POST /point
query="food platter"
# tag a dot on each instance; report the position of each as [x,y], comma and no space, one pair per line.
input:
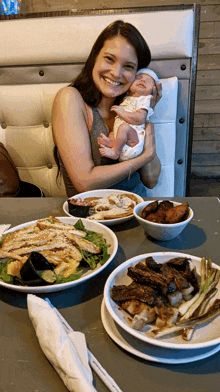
[103,193]
[204,336]
[108,235]
[148,351]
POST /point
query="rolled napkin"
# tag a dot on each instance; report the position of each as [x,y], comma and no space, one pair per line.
[67,352]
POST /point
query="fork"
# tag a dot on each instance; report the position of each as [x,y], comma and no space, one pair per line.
[97,367]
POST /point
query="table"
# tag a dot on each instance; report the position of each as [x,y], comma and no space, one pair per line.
[24,366]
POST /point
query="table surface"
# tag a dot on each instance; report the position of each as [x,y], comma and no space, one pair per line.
[24,366]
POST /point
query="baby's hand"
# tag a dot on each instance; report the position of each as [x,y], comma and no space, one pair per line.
[119,110]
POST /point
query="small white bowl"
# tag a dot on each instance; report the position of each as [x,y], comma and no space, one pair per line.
[161,231]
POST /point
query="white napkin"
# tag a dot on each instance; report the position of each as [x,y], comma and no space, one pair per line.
[67,352]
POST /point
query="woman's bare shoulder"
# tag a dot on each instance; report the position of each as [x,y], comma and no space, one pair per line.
[68,101]
[68,93]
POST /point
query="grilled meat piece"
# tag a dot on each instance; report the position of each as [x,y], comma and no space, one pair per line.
[177,214]
[157,217]
[151,264]
[151,207]
[165,205]
[156,280]
[195,279]
[172,273]
[166,270]
[161,301]
[133,291]
[180,263]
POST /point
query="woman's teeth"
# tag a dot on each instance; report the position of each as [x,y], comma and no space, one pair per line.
[111,82]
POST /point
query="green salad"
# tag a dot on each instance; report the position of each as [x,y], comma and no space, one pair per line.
[76,250]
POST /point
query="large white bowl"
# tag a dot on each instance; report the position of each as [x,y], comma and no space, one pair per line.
[204,336]
[104,193]
[108,235]
[161,231]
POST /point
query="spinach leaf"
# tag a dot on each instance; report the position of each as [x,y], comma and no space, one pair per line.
[3,272]
[75,276]
[97,239]
[3,237]
[79,225]
[94,259]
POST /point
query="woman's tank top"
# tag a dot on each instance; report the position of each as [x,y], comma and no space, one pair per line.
[98,126]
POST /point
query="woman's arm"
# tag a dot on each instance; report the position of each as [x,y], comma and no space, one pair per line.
[149,173]
[71,136]
[151,170]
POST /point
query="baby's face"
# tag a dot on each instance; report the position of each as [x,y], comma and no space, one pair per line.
[142,85]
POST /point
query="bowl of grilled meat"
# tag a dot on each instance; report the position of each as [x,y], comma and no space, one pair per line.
[163,220]
[167,299]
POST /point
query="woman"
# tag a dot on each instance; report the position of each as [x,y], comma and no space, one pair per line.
[81,112]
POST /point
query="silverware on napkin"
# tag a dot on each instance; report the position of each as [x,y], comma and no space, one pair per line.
[65,348]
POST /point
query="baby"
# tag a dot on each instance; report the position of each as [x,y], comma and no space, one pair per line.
[126,141]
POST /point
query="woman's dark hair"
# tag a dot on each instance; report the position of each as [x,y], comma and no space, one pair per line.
[84,82]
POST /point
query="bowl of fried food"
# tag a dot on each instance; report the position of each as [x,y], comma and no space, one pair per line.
[163,220]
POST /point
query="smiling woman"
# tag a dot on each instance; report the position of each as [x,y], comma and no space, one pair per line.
[82,111]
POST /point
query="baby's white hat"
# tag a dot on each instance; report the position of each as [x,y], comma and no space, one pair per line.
[149,72]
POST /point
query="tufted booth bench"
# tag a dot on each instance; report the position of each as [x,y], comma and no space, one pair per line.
[40,55]
[27,133]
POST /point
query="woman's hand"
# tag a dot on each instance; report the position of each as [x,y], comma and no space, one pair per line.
[157,95]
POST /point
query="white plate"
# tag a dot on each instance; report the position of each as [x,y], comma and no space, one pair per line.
[147,351]
[204,336]
[110,238]
[103,193]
